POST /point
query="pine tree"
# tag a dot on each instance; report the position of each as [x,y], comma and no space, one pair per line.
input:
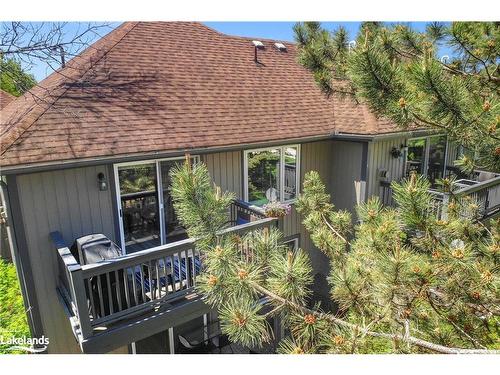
[397,72]
[403,280]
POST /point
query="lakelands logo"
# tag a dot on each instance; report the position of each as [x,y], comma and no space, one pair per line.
[27,344]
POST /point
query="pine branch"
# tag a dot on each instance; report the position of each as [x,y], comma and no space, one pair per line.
[409,339]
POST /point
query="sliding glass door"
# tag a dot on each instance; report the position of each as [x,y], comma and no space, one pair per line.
[172,228]
[146,213]
[437,155]
[415,161]
[427,156]
[139,206]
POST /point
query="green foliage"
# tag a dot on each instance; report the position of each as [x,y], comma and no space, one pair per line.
[397,272]
[290,275]
[13,320]
[314,203]
[201,207]
[415,202]
[241,321]
[396,71]
[13,79]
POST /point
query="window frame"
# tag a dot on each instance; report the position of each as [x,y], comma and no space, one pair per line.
[426,153]
[281,171]
[295,239]
[117,193]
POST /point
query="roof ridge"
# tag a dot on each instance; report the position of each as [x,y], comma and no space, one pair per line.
[9,135]
[245,37]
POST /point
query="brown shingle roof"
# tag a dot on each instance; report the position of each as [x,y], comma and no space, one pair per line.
[5,98]
[160,86]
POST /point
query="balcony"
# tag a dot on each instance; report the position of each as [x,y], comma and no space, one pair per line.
[486,194]
[118,301]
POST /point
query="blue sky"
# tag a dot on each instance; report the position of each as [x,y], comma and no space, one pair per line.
[272,30]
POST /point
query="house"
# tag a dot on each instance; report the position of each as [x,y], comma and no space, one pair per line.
[5,98]
[88,151]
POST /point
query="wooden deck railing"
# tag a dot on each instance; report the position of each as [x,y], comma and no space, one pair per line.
[241,212]
[485,194]
[104,293]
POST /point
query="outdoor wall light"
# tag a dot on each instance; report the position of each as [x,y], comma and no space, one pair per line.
[103,184]
[396,153]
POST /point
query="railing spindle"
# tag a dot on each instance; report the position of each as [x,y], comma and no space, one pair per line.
[91,295]
[141,272]
[125,284]
[101,299]
[118,291]
[158,278]
[110,296]
[134,286]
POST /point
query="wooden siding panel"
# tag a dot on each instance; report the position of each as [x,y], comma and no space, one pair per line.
[315,156]
[225,170]
[379,156]
[346,169]
[68,201]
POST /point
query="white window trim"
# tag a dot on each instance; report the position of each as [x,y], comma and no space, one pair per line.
[295,239]
[156,162]
[282,171]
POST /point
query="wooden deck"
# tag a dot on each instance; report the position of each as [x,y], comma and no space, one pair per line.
[485,194]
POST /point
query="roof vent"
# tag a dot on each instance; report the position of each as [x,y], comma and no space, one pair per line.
[258,44]
[280,46]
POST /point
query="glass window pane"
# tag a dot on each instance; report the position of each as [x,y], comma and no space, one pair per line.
[139,203]
[290,180]
[263,176]
[416,156]
[172,228]
[437,150]
[292,244]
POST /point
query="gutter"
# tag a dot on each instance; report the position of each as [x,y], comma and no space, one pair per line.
[75,163]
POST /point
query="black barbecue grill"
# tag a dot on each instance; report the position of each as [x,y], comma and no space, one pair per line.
[96,248]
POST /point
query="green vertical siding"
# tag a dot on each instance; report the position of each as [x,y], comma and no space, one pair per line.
[379,156]
[68,201]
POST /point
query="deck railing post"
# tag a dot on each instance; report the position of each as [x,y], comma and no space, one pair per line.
[80,300]
[444,207]
[486,203]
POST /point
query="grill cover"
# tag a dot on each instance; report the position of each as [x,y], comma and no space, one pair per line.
[96,248]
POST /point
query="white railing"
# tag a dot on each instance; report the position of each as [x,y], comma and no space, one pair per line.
[116,289]
[485,195]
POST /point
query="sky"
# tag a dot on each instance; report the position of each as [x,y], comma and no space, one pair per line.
[270,30]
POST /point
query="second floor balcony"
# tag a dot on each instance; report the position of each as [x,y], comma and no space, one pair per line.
[480,188]
[116,301]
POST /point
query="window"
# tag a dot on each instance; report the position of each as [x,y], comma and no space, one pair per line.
[145,209]
[427,156]
[292,242]
[272,174]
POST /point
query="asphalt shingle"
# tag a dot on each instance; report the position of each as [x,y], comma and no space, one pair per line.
[165,86]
